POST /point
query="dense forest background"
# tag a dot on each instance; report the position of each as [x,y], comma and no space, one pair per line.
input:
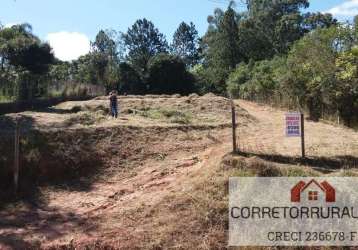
[274,52]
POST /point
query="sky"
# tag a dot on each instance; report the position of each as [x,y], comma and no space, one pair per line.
[70,25]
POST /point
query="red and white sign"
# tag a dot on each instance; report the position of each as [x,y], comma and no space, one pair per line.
[293,124]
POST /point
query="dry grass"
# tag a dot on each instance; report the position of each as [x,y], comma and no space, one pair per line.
[191,110]
[173,116]
[164,185]
[86,118]
[200,211]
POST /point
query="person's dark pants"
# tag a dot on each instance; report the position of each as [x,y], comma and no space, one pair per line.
[114,111]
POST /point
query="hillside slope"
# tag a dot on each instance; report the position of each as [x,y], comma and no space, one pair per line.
[170,193]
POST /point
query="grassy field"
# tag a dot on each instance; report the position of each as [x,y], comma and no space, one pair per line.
[156,178]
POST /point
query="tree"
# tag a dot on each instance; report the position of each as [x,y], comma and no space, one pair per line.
[312,65]
[24,53]
[143,41]
[168,75]
[84,70]
[215,20]
[21,49]
[130,81]
[237,78]
[346,90]
[104,44]
[313,21]
[104,59]
[228,37]
[271,27]
[185,44]
[222,49]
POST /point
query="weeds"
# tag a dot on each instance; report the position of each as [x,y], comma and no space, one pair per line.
[173,116]
[86,118]
[6,99]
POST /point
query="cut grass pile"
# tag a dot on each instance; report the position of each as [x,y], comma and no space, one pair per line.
[173,116]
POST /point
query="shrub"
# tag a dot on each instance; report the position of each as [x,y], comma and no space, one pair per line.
[168,75]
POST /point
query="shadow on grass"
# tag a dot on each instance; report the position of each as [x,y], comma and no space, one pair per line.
[70,161]
[62,160]
[7,124]
[325,163]
[26,221]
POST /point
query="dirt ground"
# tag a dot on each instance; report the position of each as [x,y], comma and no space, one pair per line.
[135,203]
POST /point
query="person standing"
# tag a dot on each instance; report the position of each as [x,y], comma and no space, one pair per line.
[113,102]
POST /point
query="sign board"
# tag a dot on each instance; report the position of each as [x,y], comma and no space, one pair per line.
[293,124]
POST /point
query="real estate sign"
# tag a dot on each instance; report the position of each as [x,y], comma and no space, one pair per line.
[293,124]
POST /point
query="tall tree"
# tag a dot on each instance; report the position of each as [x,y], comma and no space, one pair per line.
[104,44]
[104,58]
[271,27]
[143,41]
[221,47]
[186,43]
[21,51]
[229,39]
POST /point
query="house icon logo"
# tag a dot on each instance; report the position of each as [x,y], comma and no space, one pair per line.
[313,191]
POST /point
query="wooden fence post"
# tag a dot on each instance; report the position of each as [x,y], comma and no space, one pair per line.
[233,114]
[303,135]
[17,156]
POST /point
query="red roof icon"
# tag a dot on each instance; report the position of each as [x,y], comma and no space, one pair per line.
[298,189]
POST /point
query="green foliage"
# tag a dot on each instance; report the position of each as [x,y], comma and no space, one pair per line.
[168,75]
[203,83]
[346,91]
[273,52]
[312,64]
[129,80]
[104,60]
[23,50]
[143,41]
[237,78]
[185,44]
[221,48]
[173,116]
[319,74]
[267,29]
[256,81]
[25,61]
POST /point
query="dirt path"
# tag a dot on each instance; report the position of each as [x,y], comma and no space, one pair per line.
[118,206]
[111,205]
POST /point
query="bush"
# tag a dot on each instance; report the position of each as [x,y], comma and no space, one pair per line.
[237,78]
[129,80]
[168,75]
[256,81]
